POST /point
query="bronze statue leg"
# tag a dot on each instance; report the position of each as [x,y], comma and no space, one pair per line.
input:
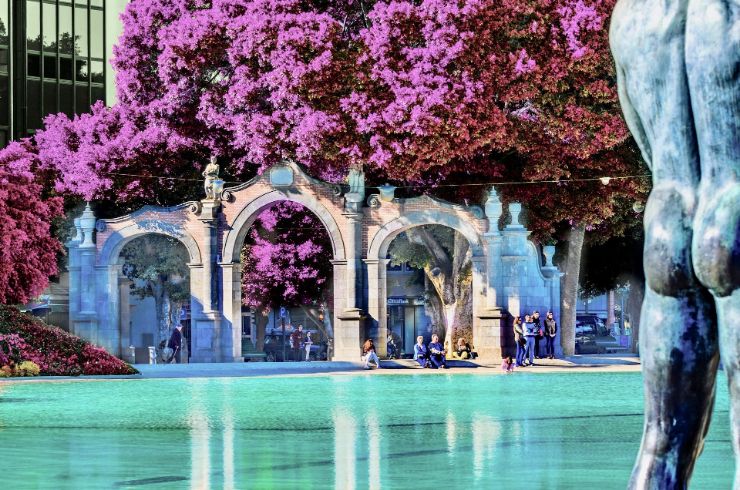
[678,341]
[713,67]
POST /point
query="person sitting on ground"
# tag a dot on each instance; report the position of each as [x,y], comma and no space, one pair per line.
[421,352]
[368,354]
[437,353]
[463,350]
[508,365]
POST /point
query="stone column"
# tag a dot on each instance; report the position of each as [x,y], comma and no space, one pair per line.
[349,329]
[124,301]
[552,283]
[514,257]
[377,303]
[206,327]
[231,323]
[86,322]
[108,308]
[73,265]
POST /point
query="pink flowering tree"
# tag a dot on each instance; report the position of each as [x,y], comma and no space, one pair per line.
[28,251]
[286,262]
[418,92]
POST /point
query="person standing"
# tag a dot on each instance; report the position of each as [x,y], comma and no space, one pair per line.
[539,336]
[551,328]
[307,344]
[175,343]
[520,341]
[530,332]
[296,338]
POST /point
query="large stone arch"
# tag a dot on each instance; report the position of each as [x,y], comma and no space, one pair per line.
[234,240]
[459,220]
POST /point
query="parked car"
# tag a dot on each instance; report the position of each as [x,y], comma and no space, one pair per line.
[586,335]
[595,321]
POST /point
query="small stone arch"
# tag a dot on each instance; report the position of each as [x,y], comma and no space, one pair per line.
[237,233]
[115,242]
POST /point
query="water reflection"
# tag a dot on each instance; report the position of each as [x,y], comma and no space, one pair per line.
[336,433]
[345,429]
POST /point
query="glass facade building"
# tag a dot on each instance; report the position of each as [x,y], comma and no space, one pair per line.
[52,59]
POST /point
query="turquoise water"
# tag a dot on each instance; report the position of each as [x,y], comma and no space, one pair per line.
[535,431]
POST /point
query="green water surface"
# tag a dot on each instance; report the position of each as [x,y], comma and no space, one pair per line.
[534,431]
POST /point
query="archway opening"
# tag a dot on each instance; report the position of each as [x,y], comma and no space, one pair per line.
[154,289]
[287,286]
[429,289]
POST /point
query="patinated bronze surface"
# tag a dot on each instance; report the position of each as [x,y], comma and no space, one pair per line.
[678,68]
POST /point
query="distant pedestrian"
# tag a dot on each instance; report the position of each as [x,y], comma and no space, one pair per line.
[437,353]
[551,329]
[421,352]
[520,340]
[307,344]
[530,333]
[540,333]
[507,365]
[368,354]
[296,339]
[175,343]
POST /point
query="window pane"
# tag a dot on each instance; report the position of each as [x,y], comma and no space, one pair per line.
[4,101]
[96,71]
[82,70]
[81,43]
[98,93]
[66,103]
[96,33]
[83,105]
[33,25]
[4,24]
[96,3]
[3,138]
[4,60]
[65,68]
[50,27]
[34,65]
[34,104]
[50,66]
[50,98]
[66,41]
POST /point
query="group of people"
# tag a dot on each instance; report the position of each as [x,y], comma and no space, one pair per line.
[432,355]
[528,335]
[298,342]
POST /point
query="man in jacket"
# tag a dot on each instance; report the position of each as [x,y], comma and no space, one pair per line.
[175,344]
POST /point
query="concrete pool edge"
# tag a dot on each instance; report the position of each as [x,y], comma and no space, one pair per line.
[573,364]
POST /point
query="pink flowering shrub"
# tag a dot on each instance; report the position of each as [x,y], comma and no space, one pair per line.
[56,352]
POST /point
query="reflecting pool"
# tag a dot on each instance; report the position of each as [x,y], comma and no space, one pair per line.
[343,431]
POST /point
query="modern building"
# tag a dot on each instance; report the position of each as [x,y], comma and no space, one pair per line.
[54,57]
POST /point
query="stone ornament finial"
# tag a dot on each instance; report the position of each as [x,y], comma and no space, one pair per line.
[494,210]
[87,225]
[515,209]
[356,194]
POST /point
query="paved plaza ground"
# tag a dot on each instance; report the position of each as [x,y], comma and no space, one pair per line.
[582,363]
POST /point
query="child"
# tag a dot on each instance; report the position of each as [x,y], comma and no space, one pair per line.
[508,365]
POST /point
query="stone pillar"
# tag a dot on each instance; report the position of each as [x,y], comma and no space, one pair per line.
[108,308]
[124,300]
[349,328]
[514,259]
[206,327]
[86,320]
[231,322]
[377,303]
[552,283]
[73,265]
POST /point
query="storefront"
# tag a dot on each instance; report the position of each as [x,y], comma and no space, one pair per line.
[407,319]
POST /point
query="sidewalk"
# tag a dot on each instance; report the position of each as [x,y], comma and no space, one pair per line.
[575,364]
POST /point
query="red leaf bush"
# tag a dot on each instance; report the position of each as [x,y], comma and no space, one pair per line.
[56,352]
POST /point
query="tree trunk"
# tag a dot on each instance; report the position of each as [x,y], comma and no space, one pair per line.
[569,295]
[261,323]
[634,307]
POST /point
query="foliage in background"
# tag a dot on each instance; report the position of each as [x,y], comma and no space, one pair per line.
[27,248]
[56,352]
[157,267]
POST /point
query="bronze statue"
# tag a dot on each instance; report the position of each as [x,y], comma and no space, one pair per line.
[678,74]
